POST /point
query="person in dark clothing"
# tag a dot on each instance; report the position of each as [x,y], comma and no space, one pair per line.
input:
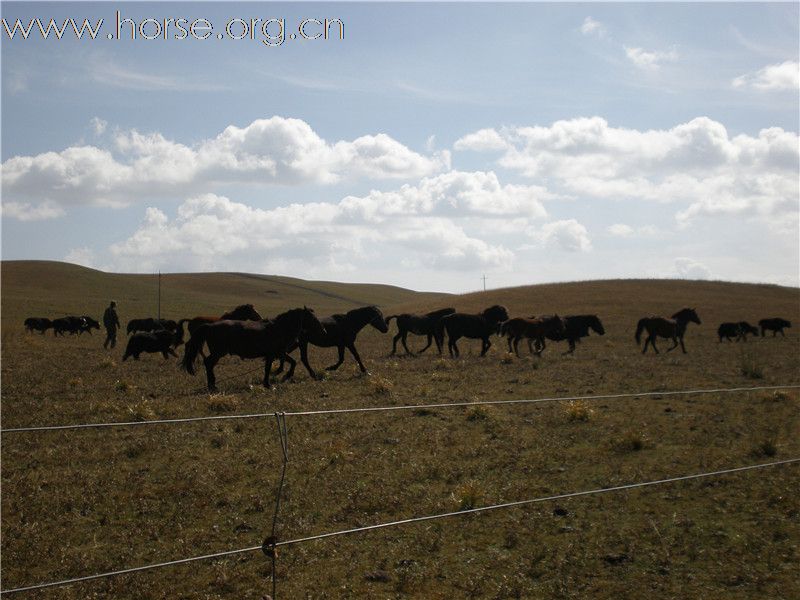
[111,323]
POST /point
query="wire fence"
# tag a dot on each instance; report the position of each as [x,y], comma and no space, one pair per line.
[401,407]
[411,520]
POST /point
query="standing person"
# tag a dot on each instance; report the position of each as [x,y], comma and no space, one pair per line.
[111,322]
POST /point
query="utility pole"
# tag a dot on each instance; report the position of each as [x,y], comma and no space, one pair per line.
[484,283]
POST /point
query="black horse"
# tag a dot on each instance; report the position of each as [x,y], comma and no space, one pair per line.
[774,325]
[151,324]
[340,331]
[575,328]
[674,327]
[480,326]
[40,324]
[418,325]
[243,312]
[534,330]
[250,339]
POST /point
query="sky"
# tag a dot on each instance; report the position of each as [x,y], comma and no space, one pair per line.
[429,146]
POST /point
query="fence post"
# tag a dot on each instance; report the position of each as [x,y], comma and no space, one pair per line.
[269,547]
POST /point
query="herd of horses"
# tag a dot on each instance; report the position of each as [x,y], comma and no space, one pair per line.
[243,332]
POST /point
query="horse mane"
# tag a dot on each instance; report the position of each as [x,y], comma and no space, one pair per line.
[441,312]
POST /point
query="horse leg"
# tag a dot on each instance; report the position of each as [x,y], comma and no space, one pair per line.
[292,363]
[209,363]
[674,344]
[354,352]
[571,346]
[304,359]
[428,345]
[682,346]
[339,363]
[267,368]
[451,345]
[516,345]
[485,345]
[394,343]
[403,339]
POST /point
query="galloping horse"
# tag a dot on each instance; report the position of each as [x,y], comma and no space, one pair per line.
[418,325]
[674,327]
[243,312]
[534,329]
[340,331]
[575,328]
[480,326]
[249,339]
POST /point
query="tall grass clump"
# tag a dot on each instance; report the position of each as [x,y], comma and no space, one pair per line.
[750,364]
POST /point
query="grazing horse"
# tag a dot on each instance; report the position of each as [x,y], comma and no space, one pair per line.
[40,324]
[774,325]
[480,326]
[674,327]
[575,328]
[418,325]
[160,340]
[243,312]
[340,331]
[249,339]
[736,330]
[534,329]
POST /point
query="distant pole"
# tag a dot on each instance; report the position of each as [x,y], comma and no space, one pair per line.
[159,294]
[484,283]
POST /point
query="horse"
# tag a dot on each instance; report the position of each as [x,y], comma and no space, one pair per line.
[418,325]
[88,324]
[40,324]
[774,325]
[674,327]
[72,324]
[243,312]
[249,339]
[575,328]
[738,330]
[338,330]
[479,326]
[534,329]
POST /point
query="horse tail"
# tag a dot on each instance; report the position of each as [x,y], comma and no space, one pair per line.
[639,329]
[192,349]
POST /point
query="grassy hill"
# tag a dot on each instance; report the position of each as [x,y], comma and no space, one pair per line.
[89,501]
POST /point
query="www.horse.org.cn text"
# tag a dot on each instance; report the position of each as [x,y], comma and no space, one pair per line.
[271,32]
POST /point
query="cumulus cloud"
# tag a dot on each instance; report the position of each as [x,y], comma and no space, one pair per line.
[623,230]
[267,151]
[98,125]
[782,76]
[440,223]
[481,140]
[23,211]
[644,59]
[567,235]
[697,164]
[687,268]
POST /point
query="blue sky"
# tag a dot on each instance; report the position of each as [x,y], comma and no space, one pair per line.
[433,144]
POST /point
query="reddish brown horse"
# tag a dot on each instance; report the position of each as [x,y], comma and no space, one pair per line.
[674,327]
[534,330]
[243,312]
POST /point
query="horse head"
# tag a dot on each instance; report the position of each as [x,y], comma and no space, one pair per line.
[596,325]
[495,314]
[378,322]
[687,315]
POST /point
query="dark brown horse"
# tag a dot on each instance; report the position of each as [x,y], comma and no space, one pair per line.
[534,330]
[479,326]
[243,312]
[674,327]
[418,325]
[736,330]
[249,339]
[775,325]
[340,331]
[575,328]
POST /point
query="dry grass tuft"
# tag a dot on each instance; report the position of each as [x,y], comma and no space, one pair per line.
[750,363]
[480,412]
[107,363]
[222,403]
[141,411]
[123,386]
[630,441]
[578,410]
[468,495]
[381,386]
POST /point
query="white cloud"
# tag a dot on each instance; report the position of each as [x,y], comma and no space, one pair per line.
[98,125]
[568,235]
[782,76]
[267,151]
[695,164]
[440,223]
[591,26]
[687,268]
[81,256]
[620,230]
[23,211]
[481,140]
[649,60]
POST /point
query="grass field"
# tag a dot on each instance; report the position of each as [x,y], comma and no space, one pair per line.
[88,501]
